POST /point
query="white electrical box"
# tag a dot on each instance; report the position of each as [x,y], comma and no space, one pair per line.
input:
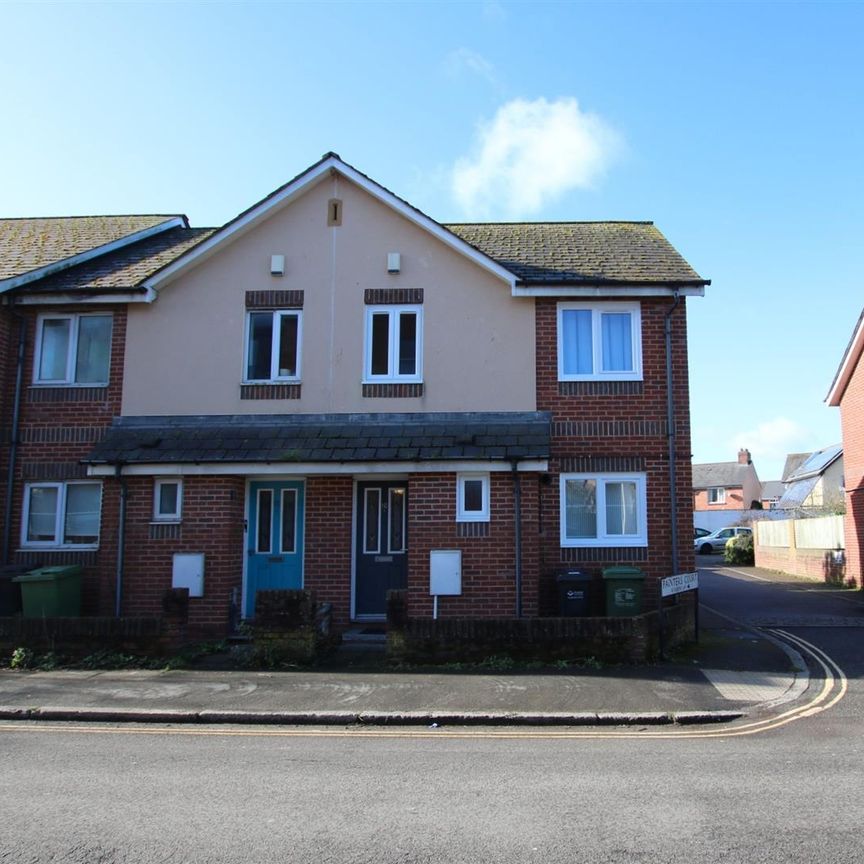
[394,262]
[277,265]
[189,572]
[445,572]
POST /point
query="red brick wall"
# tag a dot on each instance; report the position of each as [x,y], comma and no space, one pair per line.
[57,428]
[212,523]
[327,552]
[488,562]
[621,427]
[852,424]
[734,500]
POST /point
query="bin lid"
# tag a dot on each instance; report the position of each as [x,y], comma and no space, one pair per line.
[49,574]
[623,572]
[574,576]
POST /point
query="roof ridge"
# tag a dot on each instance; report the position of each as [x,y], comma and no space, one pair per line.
[560,222]
[96,216]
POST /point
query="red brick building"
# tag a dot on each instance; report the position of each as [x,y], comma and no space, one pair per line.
[847,393]
[337,392]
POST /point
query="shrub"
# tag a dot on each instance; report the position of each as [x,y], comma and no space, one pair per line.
[739,550]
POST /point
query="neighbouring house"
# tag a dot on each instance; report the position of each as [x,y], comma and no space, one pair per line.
[814,481]
[847,394]
[724,492]
[335,391]
[772,492]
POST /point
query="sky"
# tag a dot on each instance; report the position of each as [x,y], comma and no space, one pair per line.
[736,127]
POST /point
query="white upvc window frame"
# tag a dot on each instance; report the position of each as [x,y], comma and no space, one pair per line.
[62,488]
[718,493]
[482,515]
[275,377]
[392,376]
[597,311]
[603,538]
[158,515]
[74,319]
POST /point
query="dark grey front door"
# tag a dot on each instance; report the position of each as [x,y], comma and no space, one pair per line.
[382,544]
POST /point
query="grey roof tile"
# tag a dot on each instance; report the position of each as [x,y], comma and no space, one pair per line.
[321,438]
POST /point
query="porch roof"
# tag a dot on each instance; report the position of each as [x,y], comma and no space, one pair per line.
[317,438]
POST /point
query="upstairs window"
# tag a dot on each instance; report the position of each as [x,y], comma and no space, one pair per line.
[73,349]
[273,346]
[61,514]
[603,510]
[717,495]
[599,342]
[394,337]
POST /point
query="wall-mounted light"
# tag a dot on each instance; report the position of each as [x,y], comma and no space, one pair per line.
[394,262]
[277,265]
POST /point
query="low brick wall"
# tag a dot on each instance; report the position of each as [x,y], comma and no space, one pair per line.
[290,626]
[78,637]
[611,640]
[821,565]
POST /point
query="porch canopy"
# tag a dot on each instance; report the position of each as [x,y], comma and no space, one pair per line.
[323,443]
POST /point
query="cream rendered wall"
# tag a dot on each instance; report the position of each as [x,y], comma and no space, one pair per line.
[184,352]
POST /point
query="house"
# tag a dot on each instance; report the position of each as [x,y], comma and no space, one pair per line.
[847,394]
[772,491]
[335,391]
[724,492]
[814,481]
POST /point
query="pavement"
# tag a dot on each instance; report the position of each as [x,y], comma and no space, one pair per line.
[733,671]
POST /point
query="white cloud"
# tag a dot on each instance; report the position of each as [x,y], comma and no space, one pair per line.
[465,60]
[770,442]
[531,153]
[493,11]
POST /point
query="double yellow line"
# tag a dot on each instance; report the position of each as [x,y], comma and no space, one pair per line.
[834,687]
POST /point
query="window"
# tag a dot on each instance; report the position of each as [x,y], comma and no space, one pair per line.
[394,337]
[61,514]
[167,500]
[72,349]
[603,510]
[599,342]
[273,346]
[717,495]
[472,497]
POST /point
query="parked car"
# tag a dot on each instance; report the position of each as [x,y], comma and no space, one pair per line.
[717,541]
[700,532]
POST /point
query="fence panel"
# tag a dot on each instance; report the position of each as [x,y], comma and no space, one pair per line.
[770,533]
[825,532]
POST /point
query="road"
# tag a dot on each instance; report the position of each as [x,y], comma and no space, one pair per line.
[791,794]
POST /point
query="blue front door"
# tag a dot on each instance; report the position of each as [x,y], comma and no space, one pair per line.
[274,538]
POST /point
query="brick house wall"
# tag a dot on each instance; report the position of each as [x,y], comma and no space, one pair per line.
[734,500]
[57,428]
[852,426]
[488,548]
[620,426]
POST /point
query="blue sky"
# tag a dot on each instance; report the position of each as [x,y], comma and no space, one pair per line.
[736,127]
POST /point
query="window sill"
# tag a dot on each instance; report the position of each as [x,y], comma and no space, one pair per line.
[392,390]
[67,393]
[606,543]
[46,547]
[271,390]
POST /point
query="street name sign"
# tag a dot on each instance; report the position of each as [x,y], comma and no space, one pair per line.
[678,584]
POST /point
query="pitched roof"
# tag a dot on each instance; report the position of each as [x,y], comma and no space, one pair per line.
[815,463]
[28,245]
[126,268]
[773,488]
[848,364]
[725,474]
[581,252]
[293,438]
[793,461]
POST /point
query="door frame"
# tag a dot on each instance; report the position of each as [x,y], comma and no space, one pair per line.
[269,478]
[371,478]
